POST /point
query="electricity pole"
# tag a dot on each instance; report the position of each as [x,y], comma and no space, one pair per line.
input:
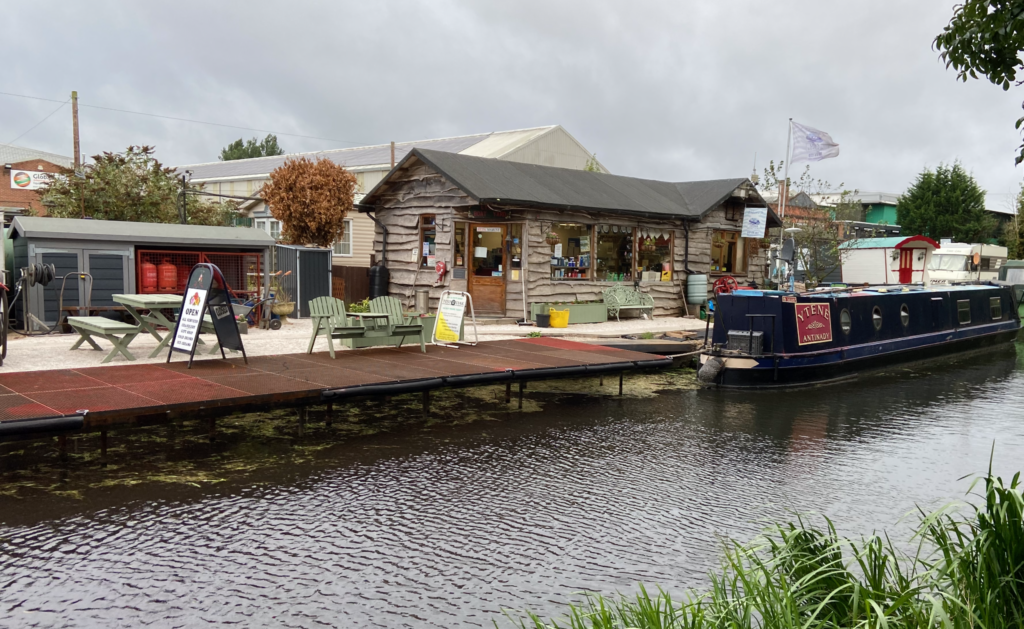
[78,156]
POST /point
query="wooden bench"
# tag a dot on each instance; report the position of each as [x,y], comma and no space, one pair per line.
[88,327]
[331,320]
[398,324]
[618,298]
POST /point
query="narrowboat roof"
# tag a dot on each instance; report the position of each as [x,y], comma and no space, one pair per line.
[856,291]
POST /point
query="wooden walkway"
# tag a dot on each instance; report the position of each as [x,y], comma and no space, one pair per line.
[116,394]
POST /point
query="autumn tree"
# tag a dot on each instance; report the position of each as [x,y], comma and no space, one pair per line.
[251,148]
[311,199]
[129,186]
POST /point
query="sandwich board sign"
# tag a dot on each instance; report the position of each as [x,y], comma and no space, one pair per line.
[206,292]
[451,310]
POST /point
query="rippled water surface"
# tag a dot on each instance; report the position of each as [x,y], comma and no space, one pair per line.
[445,526]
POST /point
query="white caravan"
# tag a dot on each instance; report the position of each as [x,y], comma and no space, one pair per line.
[961,262]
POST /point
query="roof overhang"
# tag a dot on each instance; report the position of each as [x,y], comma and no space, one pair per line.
[918,242]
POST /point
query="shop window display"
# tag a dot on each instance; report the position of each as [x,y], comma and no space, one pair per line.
[571,253]
[654,255]
[614,253]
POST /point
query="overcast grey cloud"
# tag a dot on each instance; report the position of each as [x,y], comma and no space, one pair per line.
[669,90]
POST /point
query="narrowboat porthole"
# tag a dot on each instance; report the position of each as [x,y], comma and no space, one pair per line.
[876,317]
[995,306]
[904,315]
[963,310]
[844,321]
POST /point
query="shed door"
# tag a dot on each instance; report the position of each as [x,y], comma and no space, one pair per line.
[109,271]
[314,278]
[488,268]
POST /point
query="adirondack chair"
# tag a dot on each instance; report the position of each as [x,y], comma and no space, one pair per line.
[330,320]
[398,324]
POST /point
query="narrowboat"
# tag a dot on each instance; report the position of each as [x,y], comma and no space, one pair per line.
[781,339]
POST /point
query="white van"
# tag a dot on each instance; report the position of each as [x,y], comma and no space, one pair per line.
[954,262]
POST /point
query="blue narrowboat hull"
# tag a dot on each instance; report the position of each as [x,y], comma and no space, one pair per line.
[869,331]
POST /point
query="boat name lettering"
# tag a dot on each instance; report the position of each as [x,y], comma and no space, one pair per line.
[813,323]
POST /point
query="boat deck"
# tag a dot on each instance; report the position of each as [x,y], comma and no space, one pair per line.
[118,393]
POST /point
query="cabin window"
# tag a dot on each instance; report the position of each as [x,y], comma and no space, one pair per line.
[570,251]
[460,244]
[995,306]
[876,317]
[904,315]
[726,252]
[428,237]
[844,321]
[654,255]
[614,254]
[963,311]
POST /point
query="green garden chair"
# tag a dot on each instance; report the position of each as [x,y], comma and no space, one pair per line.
[398,324]
[331,320]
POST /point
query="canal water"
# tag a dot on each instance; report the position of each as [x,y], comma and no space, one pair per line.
[445,525]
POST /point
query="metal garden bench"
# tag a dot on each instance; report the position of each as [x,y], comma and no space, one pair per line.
[88,327]
[618,298]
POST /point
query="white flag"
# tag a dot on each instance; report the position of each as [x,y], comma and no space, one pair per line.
[811,145]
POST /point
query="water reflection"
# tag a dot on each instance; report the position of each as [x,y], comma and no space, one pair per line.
[446,526]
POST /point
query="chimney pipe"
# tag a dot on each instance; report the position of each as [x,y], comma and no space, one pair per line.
[392,154]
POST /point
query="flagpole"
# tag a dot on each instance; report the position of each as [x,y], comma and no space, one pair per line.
[783,198]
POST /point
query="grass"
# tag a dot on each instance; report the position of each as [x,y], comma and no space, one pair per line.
[535,334]
[967,573]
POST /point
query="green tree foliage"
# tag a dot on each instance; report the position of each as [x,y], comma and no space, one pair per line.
[129,186]
[311,199]
[985,37]
[592,165]
[251,148]
[1012,235]
[945,203]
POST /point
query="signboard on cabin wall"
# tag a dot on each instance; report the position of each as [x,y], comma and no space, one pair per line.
[755,221]
[813,323]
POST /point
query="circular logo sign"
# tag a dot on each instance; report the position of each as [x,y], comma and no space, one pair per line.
[22,180]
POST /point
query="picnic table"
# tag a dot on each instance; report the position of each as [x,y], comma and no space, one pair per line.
[153,317]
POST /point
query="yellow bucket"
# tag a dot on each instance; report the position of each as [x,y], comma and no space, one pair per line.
[559,318]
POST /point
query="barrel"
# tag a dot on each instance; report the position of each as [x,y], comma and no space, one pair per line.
[422,300]
[378,281]
[696,289]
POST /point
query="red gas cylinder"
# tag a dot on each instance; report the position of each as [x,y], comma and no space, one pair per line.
[183,272]
[168,277]
[148,280]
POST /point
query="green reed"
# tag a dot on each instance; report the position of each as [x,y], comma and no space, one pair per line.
[967,573]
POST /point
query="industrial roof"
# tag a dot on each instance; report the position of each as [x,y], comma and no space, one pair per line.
[139,233]
[10,154]
[511,183]
[493,144]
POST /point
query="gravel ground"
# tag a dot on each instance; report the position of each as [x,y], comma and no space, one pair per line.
[53,351]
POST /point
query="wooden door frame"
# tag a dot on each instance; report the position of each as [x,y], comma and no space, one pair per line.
[471,271]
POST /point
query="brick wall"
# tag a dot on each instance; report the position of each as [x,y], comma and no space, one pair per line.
[14,197]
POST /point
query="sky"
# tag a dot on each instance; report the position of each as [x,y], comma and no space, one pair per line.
[676,90]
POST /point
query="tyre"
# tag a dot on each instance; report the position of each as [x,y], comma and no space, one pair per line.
[275,324]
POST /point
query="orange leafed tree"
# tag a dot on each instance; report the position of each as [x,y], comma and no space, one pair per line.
[311,199]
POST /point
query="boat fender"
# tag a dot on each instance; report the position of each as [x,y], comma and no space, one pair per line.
[709,371]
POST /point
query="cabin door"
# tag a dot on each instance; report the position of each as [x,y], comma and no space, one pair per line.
[488,268]
[906,266]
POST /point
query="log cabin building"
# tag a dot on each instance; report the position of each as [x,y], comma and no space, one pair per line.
[559,234]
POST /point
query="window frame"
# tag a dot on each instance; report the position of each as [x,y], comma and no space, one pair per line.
[464,228]
[876,318]
[596,233]
[424,228]
[904,315]
[346,234]
[845,321]
[960,303]
[671,255]
[272,224]
[587,231]
[995,308]
[737,253]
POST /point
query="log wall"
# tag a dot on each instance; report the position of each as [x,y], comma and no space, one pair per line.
[418,191]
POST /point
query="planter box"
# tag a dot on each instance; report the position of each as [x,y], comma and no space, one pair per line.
[578,313]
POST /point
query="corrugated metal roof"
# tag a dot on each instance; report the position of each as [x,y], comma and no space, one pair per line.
[513,183]
[874,243]
[494,144]
[139,233]
[10,154]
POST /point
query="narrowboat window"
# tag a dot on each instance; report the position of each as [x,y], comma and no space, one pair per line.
[876,317]
[570,251]
[460,245]
[995,306]
[904,315]
[844,321]
[614,253]
[963,310]
[428,236]
[654,255]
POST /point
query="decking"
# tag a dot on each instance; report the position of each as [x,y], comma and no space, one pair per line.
[97,397]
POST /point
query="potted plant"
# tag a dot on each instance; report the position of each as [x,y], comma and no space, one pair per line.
[552,238]
[283,304]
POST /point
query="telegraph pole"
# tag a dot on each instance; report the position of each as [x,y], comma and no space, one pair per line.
[78,152]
